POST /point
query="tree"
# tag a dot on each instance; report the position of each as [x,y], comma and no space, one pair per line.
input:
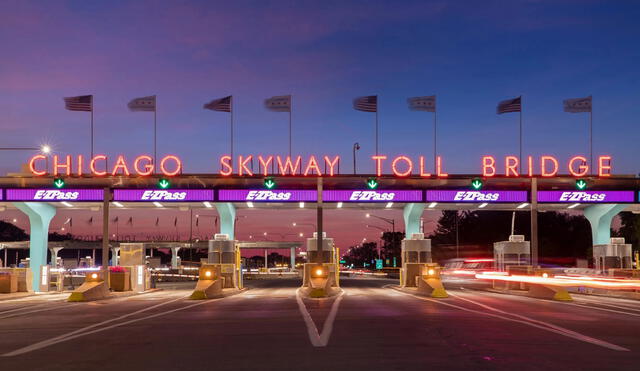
[392,245]
[361,254]
[9,232]
[629,228]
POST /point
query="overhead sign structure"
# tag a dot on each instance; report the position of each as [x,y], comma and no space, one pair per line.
[262,195]
[164,195]
[586,196]
[475,196]
[54,195]
[372,196]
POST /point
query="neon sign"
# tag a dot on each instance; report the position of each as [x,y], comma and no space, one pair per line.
[475,196]
[165,195]
[262,195]
[372,196]
[586,196]
[52,195]
[272,165]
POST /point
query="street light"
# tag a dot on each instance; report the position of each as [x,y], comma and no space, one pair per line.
[356,147]
[388,220]
[295,224]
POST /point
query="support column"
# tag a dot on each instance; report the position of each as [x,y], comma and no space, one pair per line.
[174,257]
[534,222]
[54,255]
[293,258]
[227,213]
[412,214]
[266,266]
[115,259]
[40,215]
[600,217]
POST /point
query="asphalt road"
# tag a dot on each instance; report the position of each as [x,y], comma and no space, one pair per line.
[371,326]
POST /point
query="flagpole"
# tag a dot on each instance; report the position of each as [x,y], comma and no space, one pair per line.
[376,125]
[231,111]
[92,127]
[591,137]
[435,143]
[520,161]
[155,133]
[290,109]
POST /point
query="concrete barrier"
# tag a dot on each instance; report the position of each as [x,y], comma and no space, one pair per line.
[94,287]
[210,283]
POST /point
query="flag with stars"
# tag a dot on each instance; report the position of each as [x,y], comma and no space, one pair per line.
[577,105]
[427,104]
[366,104]
[144,104]
[280,103]
[221,104]
[509,105]
[79,103]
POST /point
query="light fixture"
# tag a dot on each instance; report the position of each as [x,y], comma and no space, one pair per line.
[573,206]
[118,204]
[389,204]
[65,203]
[523,205]
[432,205]
[207,273]
[302,205]
[45,149]
[15,220]
[94,275]
[367,215]
[482,205]
[339,205]
[301,234]
[157,204]
[294,224]
[207,204]
[249,204]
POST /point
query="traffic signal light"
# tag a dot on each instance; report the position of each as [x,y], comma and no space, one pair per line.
[269,183]
[164,184]
[372,183]
[476,184]
[581,184]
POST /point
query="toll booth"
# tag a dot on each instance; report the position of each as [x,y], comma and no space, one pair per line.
[133,258]
[225,256]
[321,270]
[415,254]
[515,251]
[616,254]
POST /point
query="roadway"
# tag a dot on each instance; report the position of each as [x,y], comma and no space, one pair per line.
[371,326]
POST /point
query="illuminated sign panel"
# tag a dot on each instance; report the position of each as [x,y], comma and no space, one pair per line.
[55,195]
[372,196]
[263,195]
[1,194]
[476,196]
[164,195]
[586,196]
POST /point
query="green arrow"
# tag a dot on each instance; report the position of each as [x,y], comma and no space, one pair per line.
[476,184]
[371,183]
[163,183]
[269,183]
[59,183]
[581,184]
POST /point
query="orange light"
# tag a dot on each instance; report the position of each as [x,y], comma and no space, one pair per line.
[207,274]
[583,169]
[242,165]
[94,276]
[121,165]
[66,165]
[378,159]
[32,165]
[312,165]
[604,166]
[431,272]
[148,167]
[173,158]
[288,165]
[225,162]
[331,164]
[439,171]
[319,272]
[511,164]
[92,165]
[394,166]
[543,166]
[422,172]
[488,166]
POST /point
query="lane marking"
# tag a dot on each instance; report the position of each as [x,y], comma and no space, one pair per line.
[532,323]
[36,311]
[319,339]
[83,331]
[605,309]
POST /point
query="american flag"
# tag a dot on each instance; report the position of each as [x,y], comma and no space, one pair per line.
[510,105]
[366,104]
[221,104]
[80,103]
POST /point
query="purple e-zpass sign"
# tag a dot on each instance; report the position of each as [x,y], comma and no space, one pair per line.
[55,195]
[164,195]
[476,196]
[372,196]
[1,194]
[586,196]
[263,195]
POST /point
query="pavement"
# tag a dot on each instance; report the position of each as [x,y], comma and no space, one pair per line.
[269,327]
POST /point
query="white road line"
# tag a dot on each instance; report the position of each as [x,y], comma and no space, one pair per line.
[605,309]
[322,339]
[532,323]
[36,311]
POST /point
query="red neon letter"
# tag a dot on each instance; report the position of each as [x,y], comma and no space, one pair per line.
[422,173]
[121,164]
[530,160]
[148,168]
[439,171]
[604,169]
[394,166]
[80,163]
[331,164]
[265,164]
[225,162]
[178,165]
[242,165]
[378,159]
[92,165]
[32,165]
[543,166]
[312,166]
[488,166]
[583,168]
[288,165]
[511,165]
[66,165]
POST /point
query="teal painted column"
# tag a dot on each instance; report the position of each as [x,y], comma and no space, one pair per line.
[600,217]
[412,214]
[40,215]
[227,213]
